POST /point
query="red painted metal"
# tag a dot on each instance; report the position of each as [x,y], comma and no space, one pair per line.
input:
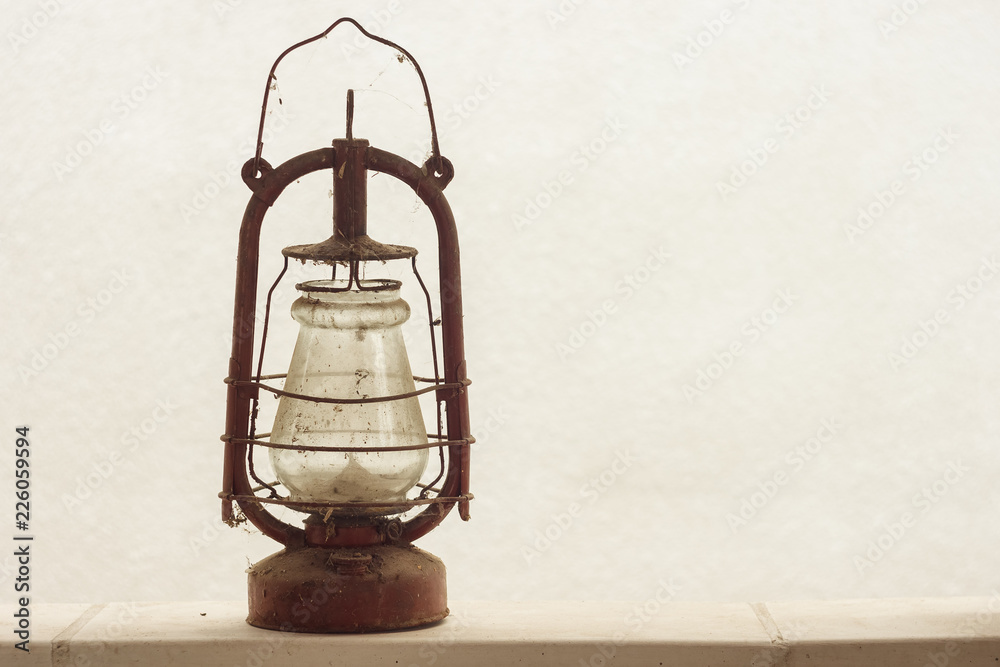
[350,241]
[369,589]
[352,567]
[267,187]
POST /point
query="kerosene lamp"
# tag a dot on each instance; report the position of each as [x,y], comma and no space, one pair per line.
[349,444]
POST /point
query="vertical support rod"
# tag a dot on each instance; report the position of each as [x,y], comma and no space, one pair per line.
[350,188]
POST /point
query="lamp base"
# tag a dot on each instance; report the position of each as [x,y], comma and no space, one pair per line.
[361,589]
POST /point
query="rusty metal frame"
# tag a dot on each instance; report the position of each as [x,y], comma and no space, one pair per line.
[267,184]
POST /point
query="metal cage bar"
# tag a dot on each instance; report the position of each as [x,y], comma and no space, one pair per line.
[267,184]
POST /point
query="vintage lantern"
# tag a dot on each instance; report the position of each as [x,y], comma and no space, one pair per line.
[349,443]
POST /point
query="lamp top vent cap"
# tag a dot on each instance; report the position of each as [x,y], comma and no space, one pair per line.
[338,249]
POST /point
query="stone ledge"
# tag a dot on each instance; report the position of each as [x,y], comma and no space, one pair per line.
[880,633]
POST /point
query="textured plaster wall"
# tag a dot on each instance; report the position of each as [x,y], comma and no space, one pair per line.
[730,270]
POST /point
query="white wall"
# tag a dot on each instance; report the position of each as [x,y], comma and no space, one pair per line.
[142,204]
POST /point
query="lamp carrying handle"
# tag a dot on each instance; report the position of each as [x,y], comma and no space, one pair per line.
[435,165]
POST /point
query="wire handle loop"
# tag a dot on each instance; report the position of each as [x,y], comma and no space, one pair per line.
[437,163]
